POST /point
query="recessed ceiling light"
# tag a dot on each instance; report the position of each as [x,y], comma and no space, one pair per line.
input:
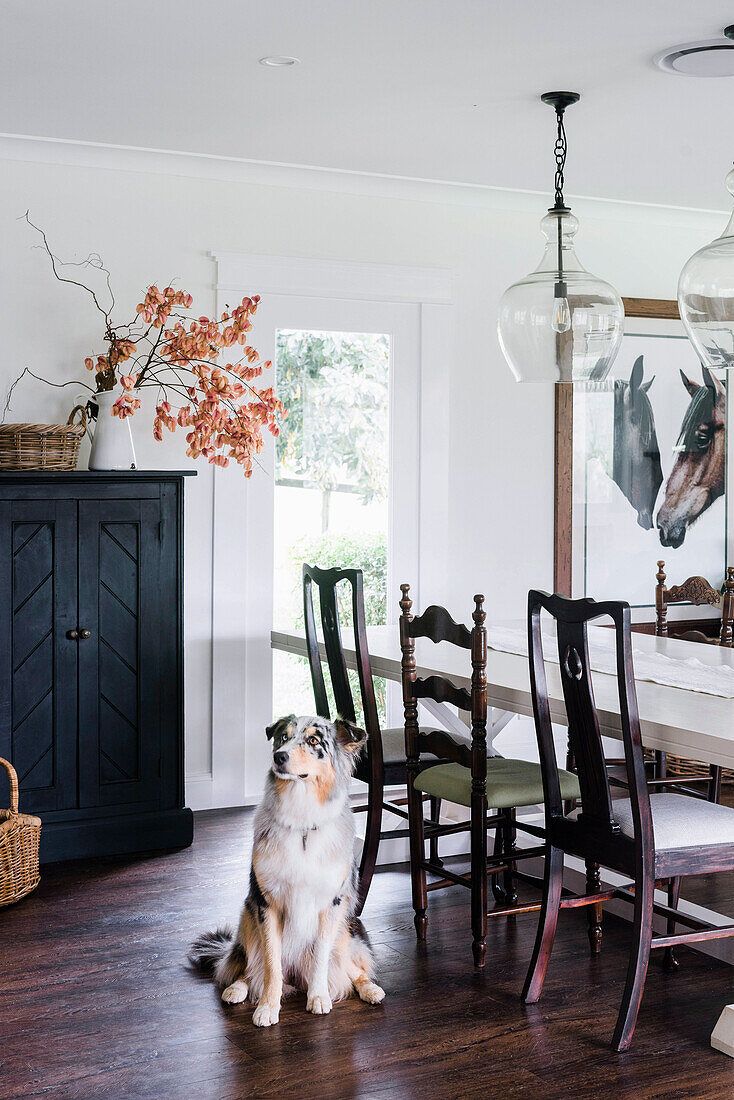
[712,57]
[280,62]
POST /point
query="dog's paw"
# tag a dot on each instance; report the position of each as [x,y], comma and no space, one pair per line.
[265,1015]
[319,1004]
[371,993]
[235,993]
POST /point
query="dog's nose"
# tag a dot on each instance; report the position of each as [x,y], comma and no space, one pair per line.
[280,757]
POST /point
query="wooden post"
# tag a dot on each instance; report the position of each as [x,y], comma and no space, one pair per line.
[563,489]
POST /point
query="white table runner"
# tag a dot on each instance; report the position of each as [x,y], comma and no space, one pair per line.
[687,673]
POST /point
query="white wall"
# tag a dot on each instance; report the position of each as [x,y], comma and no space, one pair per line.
[155,227]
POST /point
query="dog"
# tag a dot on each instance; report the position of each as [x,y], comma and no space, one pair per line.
[298,924]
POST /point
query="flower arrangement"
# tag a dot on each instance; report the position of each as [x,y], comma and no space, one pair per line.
[179,355]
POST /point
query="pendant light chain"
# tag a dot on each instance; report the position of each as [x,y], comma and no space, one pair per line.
[559,151]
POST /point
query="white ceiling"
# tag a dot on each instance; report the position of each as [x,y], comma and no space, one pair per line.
[433,89]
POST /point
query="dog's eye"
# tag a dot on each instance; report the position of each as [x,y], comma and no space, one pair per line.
[312,741]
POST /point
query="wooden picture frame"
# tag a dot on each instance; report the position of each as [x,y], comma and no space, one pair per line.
[565,551]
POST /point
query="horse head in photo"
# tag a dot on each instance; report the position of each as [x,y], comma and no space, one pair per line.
[636,465]
[698,475]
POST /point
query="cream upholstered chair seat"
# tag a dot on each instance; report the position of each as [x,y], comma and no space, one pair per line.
[681,821]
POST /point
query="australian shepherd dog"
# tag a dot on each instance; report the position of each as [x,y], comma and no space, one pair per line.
[298,926]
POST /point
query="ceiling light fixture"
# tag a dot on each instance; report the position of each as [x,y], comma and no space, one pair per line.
[713,57]
[277,62]
[706,296]
[560,323]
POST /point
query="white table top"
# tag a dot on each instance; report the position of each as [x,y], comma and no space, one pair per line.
[678,720]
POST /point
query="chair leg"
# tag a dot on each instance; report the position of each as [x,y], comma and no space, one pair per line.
[637,968]
[479,878]
[714,791]
[417,857]
[433,843]
[373,827]
[594,912]
[661,764]
[499,893]
[510,833]
[552,883]
[669,959]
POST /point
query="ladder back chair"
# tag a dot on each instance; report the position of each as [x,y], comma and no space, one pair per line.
[649,837]
[384,763]
[471,778]
[698,591]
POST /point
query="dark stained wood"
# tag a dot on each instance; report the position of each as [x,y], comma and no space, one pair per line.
[371,768]
[438,625]
[662,309]
[97,1001]
[593,834]
[442,691]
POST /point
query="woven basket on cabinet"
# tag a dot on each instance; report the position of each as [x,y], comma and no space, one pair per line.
[19,838]
[42,446]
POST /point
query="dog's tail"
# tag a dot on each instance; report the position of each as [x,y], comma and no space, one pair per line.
[210,949]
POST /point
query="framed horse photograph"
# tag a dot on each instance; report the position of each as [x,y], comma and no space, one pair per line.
[641,466]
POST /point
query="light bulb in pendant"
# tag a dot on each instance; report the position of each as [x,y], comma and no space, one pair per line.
[561,316]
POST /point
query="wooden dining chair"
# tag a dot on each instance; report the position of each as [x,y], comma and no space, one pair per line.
[384,763]
[648,837]
[698,591]
[470,779]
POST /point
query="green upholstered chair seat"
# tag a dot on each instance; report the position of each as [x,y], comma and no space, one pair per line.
[509,783]
[393,745]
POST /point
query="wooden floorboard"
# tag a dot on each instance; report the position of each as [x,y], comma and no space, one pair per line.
[96,999]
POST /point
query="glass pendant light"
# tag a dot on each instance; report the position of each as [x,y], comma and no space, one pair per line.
[706,297]
[560,323]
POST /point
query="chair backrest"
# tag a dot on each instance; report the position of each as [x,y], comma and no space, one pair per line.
[437,625]
[596,818]
[698,591]
[326,581]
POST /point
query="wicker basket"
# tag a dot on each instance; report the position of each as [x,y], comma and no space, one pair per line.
[42,446]
[19,838]
[680,768]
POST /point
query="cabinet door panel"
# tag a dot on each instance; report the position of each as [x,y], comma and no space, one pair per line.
[119,711]
[38,585]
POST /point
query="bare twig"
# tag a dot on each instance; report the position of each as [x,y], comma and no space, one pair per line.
[74,282]
[56,385]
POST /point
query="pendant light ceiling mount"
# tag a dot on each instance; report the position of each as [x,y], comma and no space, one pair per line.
[561,100]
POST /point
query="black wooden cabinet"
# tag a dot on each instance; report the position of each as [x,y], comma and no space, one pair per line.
[91,658]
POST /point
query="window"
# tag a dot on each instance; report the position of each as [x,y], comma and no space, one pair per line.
[331,483]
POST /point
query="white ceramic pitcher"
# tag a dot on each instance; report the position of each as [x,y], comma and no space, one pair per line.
[112,440]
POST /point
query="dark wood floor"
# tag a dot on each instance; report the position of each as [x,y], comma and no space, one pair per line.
[96,999]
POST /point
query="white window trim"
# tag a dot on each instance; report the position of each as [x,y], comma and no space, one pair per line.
[432,289]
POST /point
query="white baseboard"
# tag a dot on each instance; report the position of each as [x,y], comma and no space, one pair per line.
[199,792]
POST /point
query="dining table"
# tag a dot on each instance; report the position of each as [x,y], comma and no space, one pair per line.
[685,696]
[685,690]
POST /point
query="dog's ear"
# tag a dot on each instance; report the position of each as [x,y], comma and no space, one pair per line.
[280,726]
[349,735]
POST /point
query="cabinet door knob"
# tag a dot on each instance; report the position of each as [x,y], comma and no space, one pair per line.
[72,635]
[83,634]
